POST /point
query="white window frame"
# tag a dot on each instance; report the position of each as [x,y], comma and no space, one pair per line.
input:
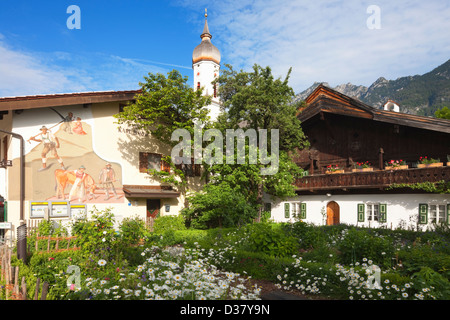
[438,217]
[370,213]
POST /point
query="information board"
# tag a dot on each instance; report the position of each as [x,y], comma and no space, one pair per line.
[38,209]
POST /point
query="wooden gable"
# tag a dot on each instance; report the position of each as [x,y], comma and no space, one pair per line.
[326,100]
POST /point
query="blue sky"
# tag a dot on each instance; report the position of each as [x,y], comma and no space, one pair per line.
[121,41]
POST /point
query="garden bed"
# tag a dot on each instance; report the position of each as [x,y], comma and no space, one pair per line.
[310,262]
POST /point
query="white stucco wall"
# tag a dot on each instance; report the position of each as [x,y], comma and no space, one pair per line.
[402,209]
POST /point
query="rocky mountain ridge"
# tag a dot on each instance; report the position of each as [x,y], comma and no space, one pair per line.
[419,94]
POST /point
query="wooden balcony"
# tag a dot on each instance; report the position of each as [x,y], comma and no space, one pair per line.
[370,180]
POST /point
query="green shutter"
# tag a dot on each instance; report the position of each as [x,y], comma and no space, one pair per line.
[286,210]
[423,213]
[361,212]
[448,213]
[302,210]
[383,212]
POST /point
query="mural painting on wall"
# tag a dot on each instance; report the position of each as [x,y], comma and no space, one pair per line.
[62,164]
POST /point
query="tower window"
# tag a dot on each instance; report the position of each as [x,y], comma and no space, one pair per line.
[215,90]
[198,85]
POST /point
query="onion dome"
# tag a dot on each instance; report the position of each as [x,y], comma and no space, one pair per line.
[206,51]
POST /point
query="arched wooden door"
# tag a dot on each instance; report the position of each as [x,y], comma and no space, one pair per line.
[332,213]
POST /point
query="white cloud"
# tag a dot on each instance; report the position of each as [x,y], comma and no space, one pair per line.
[26,73]
[329,40]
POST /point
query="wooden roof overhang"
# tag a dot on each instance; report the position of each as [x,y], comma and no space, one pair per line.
[150,192]
[65,99]
[326,100]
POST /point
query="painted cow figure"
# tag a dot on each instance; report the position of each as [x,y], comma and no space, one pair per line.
[63,178]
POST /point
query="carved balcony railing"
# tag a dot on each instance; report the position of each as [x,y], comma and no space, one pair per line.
[372,179]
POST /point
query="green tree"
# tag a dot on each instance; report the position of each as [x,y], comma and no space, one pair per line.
[165,103]
[257,100]
[443,113]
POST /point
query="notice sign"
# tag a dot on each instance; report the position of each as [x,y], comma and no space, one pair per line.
[77,211]
[38,209]
[5,225]
[59,209]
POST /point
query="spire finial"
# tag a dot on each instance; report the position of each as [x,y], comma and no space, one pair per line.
[206,29]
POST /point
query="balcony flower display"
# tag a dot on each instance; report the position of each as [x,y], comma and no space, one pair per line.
[425,162]
[395,165]
[362,166]
[334,169]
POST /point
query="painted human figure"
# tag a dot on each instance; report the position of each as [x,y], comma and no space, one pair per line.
[107,177]
[66,123]
[51,143]
[78,184]
[78,127]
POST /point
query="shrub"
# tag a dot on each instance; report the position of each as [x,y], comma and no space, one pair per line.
[308,236]
[96,237]
[263,238]
[358,244]
[218,206]
[132,230]
[165,223]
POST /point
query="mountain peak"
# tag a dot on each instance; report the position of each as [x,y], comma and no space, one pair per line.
[419,94]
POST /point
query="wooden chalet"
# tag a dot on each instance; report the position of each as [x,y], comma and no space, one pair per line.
[344,132]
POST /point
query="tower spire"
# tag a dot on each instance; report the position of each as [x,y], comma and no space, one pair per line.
[205,32]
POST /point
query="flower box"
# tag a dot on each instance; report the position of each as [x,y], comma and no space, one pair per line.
[402,167]
[336,171]
[362,170]
[430,165]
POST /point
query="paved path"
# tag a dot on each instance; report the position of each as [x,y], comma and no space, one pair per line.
[280,295]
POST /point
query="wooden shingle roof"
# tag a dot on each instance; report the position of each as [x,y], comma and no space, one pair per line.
[326,100]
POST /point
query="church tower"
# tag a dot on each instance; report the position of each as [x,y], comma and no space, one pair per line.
[206,66]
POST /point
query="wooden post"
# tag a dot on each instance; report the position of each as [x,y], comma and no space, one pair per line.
[36,292]
[16,276]
[24,289]
[48,244]
[380,159]
[44,291]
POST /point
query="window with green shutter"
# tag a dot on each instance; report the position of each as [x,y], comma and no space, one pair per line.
[302,210]
[286,210]
[423,213]
[361,212]
[448,213]
[383,212]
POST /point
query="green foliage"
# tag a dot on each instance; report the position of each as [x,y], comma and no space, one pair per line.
[218,206]
[132,230]
[168,223]
[308,236]
[426,254]
[96,236]
[430,280]
[260,101]
[166,103]
[430,187]
[264,238]
[443,113]
[357,245]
